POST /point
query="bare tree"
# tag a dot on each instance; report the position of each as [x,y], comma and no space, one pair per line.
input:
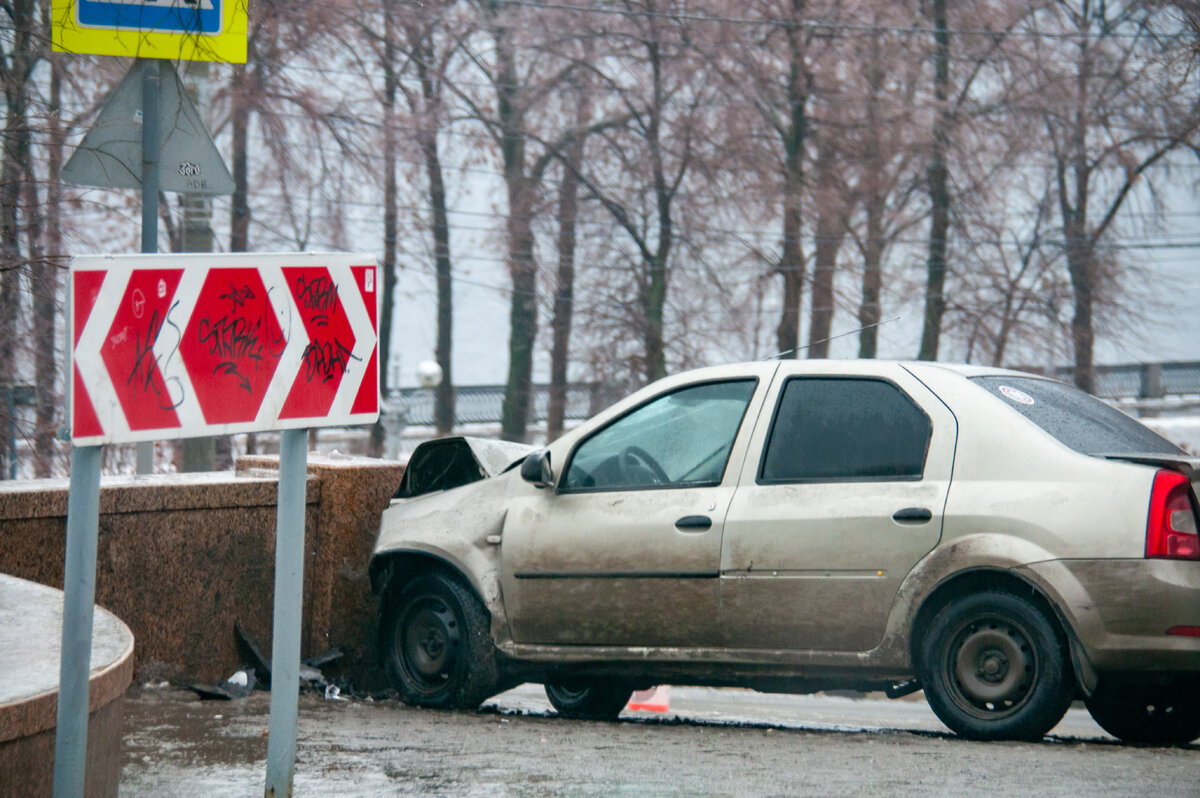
[416,42]
[515,93]
[523,69]
[939,186]
[770,70]
[429,60]
[568,216]
[20,51]
[46,285]
[833,211]
[1011,298]
[882,154]
[660,87]
[1120,97]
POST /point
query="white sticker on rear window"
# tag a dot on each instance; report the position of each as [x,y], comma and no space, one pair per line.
[1016,395]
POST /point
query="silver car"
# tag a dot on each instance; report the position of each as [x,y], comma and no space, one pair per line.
[1002,541]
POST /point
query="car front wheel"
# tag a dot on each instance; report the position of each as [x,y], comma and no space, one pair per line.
[435,645]
[994,667]
[1157,714]
[588,701]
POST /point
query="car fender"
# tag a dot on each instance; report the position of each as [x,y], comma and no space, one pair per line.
[977,552]
[461,528]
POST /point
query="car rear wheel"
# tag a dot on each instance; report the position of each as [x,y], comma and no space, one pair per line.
[435,645]
[588,701]
[994,667]
[1137,713]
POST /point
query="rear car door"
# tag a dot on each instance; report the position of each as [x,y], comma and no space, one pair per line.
[842,492]
[626,550]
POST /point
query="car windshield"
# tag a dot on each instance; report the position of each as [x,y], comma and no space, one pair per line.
[1075,418]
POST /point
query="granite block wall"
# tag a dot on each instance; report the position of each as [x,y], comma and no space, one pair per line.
[183,557]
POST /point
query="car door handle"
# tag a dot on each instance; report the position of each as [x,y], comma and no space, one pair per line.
[697,523]
[912,514]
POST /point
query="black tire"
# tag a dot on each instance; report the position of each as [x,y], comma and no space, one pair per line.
[1156,714]
[994,667]
[589,700]
[435,645]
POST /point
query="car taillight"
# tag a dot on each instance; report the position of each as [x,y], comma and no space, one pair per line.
[1171,526]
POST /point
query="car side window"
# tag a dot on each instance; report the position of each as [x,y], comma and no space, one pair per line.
[830,429]
[679,439]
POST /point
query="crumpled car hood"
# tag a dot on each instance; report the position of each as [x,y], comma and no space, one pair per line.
[450,462]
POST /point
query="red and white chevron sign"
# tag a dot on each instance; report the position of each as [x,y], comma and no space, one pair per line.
[183,346]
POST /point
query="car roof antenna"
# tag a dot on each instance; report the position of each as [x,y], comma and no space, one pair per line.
[787,352]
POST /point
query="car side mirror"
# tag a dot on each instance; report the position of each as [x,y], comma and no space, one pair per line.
[536,470]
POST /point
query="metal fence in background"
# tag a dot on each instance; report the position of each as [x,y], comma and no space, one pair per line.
[1142,380]
[480,404]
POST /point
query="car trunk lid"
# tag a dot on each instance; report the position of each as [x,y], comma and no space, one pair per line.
[1189,466]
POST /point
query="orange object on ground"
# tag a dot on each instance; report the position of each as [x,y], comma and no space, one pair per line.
[656,699]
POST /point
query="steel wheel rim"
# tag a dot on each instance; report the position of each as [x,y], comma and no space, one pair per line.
[428,644]
[990,667]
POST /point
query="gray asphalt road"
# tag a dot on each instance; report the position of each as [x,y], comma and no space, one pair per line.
[711,743]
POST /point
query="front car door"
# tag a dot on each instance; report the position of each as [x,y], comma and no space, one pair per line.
[842,492]
[625,550]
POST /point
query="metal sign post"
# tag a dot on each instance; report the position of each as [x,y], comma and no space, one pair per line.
[289,597]
[79,595]
[150,140]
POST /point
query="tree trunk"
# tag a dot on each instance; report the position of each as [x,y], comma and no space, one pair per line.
[564,288]
[655,290]
[1081,246]
[47,287]
[869,314]
[239,211]
[820,321]
[522,317]
[869,310]
[196,235]
[14,168]
[443,408]
[654,301]
[1083,334]
[791,256]
[514,413]
[377,441]
[830,232]
[939,190]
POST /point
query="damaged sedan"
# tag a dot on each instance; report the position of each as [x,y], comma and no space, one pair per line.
[1001,541]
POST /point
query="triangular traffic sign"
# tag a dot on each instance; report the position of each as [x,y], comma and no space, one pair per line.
[110,155]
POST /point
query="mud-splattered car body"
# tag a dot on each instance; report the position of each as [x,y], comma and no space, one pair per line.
[816,525]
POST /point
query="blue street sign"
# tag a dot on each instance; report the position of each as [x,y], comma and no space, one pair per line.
[174,16]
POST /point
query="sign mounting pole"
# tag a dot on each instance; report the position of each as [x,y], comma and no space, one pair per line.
[151,84]
[79,595]
[289,597]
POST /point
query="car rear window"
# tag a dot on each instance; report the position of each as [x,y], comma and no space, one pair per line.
[838,429]
[1075,418]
